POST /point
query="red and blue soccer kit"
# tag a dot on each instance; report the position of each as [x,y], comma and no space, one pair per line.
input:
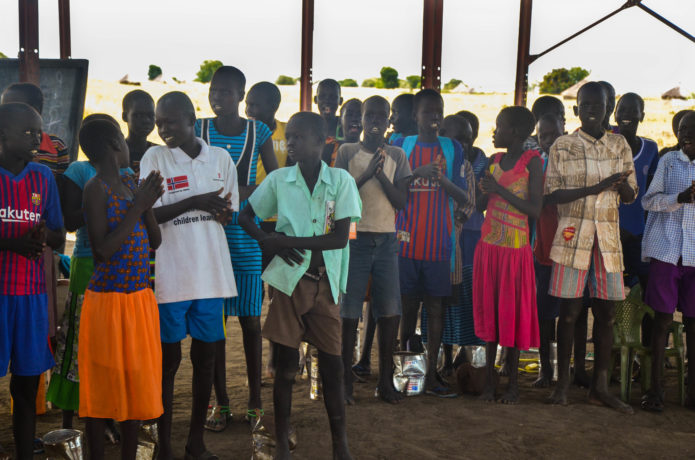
[25,200]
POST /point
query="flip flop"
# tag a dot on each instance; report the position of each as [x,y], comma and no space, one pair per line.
[361,371]
[441,392]
[652,403]
[218,418]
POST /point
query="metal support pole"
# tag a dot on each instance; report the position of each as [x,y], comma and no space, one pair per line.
[432,44]
[522,54]
[64,25]
[666,21]
[307,55]
[29,41]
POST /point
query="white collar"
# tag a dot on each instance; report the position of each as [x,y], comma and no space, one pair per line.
[182,157]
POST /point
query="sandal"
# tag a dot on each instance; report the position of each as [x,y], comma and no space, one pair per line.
[652,402]
[218,418]
[254,414]
[441,391]
[361,371]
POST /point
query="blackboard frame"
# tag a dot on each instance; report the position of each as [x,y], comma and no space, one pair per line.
[9,73]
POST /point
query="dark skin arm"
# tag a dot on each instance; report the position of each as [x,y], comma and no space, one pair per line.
[290,248]
[210,202]
[396,193]
[532,206]
[71,200]
[480,197]
[616,181]
[270,163]
[32,243]
[154,234]
[105,243]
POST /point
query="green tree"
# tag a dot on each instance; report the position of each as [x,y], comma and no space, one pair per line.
[2,55]
[558,80]
[153,72]
[414,81]
[348,83]
[285,80]
[389,77]
[451,84]
[207,69]
[370,83]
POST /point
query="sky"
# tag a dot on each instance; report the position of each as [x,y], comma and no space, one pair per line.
[355,38]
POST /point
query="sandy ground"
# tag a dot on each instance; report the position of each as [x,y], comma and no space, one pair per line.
[425,427]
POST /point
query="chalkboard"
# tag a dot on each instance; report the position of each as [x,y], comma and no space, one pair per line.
[64,84]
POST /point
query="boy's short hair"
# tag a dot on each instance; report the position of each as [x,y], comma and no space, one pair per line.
[425,94]
[405,98]
[377,100]
[179,100]
[348,102]
[328,82]
[138,94]
[270,91]
[32,94]
[231,72]
[472,119]
[458,119]
[608,88]
[100,116]
[591,86]
[547,104]
[313,121]
[94,136]
[676,121]
[550,118]
[632,96]
[10,110]
[520,118]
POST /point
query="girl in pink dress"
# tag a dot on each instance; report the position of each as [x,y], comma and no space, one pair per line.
[504,286]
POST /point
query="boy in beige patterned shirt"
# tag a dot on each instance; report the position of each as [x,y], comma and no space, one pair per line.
[589,173]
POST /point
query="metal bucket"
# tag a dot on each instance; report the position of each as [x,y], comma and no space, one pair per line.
[409,372]
[148,442]
[316,391]
[63,445]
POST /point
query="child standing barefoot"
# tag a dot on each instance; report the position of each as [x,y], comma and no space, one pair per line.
[504,289]
[119,346]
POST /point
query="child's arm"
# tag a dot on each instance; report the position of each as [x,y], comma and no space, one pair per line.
[270,163]
[104,243]
[531,206]
[25,245]
[210,202]
[656,198]
[73,214]
[482,197]
[154,234]
[246,220]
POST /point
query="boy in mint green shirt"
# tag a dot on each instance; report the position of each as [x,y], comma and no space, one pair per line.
[315,205]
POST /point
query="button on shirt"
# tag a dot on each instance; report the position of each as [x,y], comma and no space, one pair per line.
[670,231]
[193,260]
[575,161]
[304,214]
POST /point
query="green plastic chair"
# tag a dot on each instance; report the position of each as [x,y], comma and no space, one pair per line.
[627,342]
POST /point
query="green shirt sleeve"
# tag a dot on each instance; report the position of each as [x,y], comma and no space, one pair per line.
[264,199]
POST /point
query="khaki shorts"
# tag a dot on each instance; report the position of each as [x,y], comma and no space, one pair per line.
[309,315]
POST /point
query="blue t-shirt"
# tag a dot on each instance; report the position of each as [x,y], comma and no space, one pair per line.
[631,215]
[80,172]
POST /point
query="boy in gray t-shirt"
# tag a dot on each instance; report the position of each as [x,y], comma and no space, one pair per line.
[381,172]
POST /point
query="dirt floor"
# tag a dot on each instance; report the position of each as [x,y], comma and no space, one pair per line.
[425,427]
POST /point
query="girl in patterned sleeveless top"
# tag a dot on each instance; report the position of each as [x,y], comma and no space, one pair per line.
[504,286]
[119,343]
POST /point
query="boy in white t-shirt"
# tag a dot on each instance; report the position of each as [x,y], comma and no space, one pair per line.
[193,266]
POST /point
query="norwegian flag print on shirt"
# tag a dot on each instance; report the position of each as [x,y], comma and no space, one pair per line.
[177,183]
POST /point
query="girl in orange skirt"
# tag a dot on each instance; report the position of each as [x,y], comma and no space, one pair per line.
[119,352]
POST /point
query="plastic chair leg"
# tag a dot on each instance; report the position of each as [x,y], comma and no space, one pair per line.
[625,376]
[646,371]
[680,362]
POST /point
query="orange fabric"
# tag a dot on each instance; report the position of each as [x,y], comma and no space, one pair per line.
[120,356]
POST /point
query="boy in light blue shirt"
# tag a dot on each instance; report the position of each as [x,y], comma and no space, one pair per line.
[315,205]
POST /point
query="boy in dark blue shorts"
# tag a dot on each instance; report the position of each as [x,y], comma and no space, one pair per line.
[30,220]
[425,227]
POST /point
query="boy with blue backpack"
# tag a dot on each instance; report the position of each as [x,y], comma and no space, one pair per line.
[425,227]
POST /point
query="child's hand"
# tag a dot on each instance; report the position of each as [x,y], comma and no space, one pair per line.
[274,244]
[29,245]
[225,216]
[213,203]
[488,184]
[613,182]
[375,165]
[39,232]
[149,191]
[687,195]
[428,171]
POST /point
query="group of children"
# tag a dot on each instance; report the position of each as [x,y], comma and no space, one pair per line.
[329,211]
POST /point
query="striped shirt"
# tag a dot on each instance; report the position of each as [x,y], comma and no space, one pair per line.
[53,153]
[424,226]
[670,231]
[25,200]
[244,250]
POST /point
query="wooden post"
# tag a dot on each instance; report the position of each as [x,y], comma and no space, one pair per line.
[522,54]
[307,55]
[432,44]
[29,41]
[64,25]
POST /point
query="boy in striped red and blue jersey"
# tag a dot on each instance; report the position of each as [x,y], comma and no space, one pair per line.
[425,226]
[30,219]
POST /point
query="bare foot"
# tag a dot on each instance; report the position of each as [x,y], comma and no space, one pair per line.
[581,378]
[605,399]
[389,395]
[341,452]
[349,400]
[543,381]
[511,396]
[488,394]
[558,396]
[504,370]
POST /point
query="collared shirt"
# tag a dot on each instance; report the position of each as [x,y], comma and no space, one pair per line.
[193,260]
[578,160]
[303,213]
[670,231]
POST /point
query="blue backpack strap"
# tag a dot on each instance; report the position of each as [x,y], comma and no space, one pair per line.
[409,145]
[448,149]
